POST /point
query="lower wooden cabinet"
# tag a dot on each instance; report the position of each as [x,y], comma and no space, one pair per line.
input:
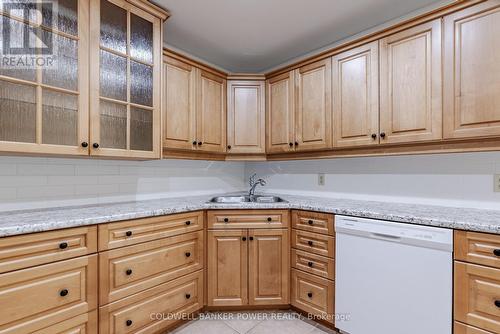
[459,328]
[313,264]
[39,297]
[155,309]
[83,324]
[313,294]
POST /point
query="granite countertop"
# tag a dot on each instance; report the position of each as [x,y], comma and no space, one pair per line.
[21,222]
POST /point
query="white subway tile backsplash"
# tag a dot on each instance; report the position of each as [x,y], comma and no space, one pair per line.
[45,169]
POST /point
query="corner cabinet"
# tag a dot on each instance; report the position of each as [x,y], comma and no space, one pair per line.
[125,77]
[194,107]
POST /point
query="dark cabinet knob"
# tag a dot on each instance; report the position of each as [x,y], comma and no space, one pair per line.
[188,223]
[188,254]
[85,144]
[228,147]
[95,145]
[129,322]
[309,294]
[63,245]
[200,143]
[310,243]
[63,292]
[128,272]
[188,295]
[310,222]
[497,303]
[382,135]
[290,144]
[226,220]
[296,143]
[244,238]
[194,142]
[269,219]
[496,252]
[128,233]
[310,264]
[374,135]
[251,238]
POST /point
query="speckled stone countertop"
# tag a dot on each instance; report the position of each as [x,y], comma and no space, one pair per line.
[21,222]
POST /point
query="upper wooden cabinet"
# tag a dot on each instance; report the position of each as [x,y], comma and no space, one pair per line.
[410,85]
[125,74]
[472,71]
[246,131]
[45,110]
[194,107]
[356,96]
[299,109]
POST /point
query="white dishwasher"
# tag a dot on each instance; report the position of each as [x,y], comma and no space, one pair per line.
[392,278]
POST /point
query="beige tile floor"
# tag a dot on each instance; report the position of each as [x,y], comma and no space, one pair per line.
[274,322]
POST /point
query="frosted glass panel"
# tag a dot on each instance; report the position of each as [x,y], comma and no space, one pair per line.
[141,84]
[16,36]
[113,27]
[66,17]
[141,39]
[64,70]
[113,125]
[17,112]
[141,129]
[59,118]
[113,81]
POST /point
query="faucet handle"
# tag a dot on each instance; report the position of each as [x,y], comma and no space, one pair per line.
[252,179]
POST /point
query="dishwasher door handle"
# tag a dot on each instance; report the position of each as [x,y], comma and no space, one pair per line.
[385,236]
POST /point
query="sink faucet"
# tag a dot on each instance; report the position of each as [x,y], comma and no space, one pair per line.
[254,184]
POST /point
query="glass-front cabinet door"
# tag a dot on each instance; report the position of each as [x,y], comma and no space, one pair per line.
[125,80]
[44,76]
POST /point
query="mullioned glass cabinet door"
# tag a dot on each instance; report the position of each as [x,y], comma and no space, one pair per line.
[125,80]
[44,76]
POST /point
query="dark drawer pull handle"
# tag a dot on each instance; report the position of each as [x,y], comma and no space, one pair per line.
[128,272]
[188,296]
[309,294]
[496,252]
[63,245]
[310,222]
[128,233]
[63,292]
[269,219]
[188,223]
[244,239]
[85,144]
[310,243]
[290,144]
[251,238]
[129,322]
[226,220]
[310,264]
[497,303]
[188,254]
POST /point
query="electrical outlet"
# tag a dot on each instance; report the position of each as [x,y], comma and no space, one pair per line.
[496,183]
[321,179]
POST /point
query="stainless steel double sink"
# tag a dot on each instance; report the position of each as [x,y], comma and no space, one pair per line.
[247,199]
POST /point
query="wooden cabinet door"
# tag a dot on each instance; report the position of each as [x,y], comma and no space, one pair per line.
[125,76]
[227,267]
[280,124]
[179,128]
[45,111]
[410,85]
[246,125]
[211,112]
[472,71]
[355,96]
[268,267]
[314,106]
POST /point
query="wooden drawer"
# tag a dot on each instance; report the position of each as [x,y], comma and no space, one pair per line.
[179,297]
[131,232]
[128,270]
[313,242]
[83,324]
[23,251]
[480,248]
[313,294]
[313,264]
[477,291]
[238,219]
[35,298]
[313,222]
[460,328]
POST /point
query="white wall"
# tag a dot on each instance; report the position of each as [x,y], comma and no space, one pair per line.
[28,183]
[446,179]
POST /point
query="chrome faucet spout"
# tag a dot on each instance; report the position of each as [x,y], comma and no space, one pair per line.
[254,184]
